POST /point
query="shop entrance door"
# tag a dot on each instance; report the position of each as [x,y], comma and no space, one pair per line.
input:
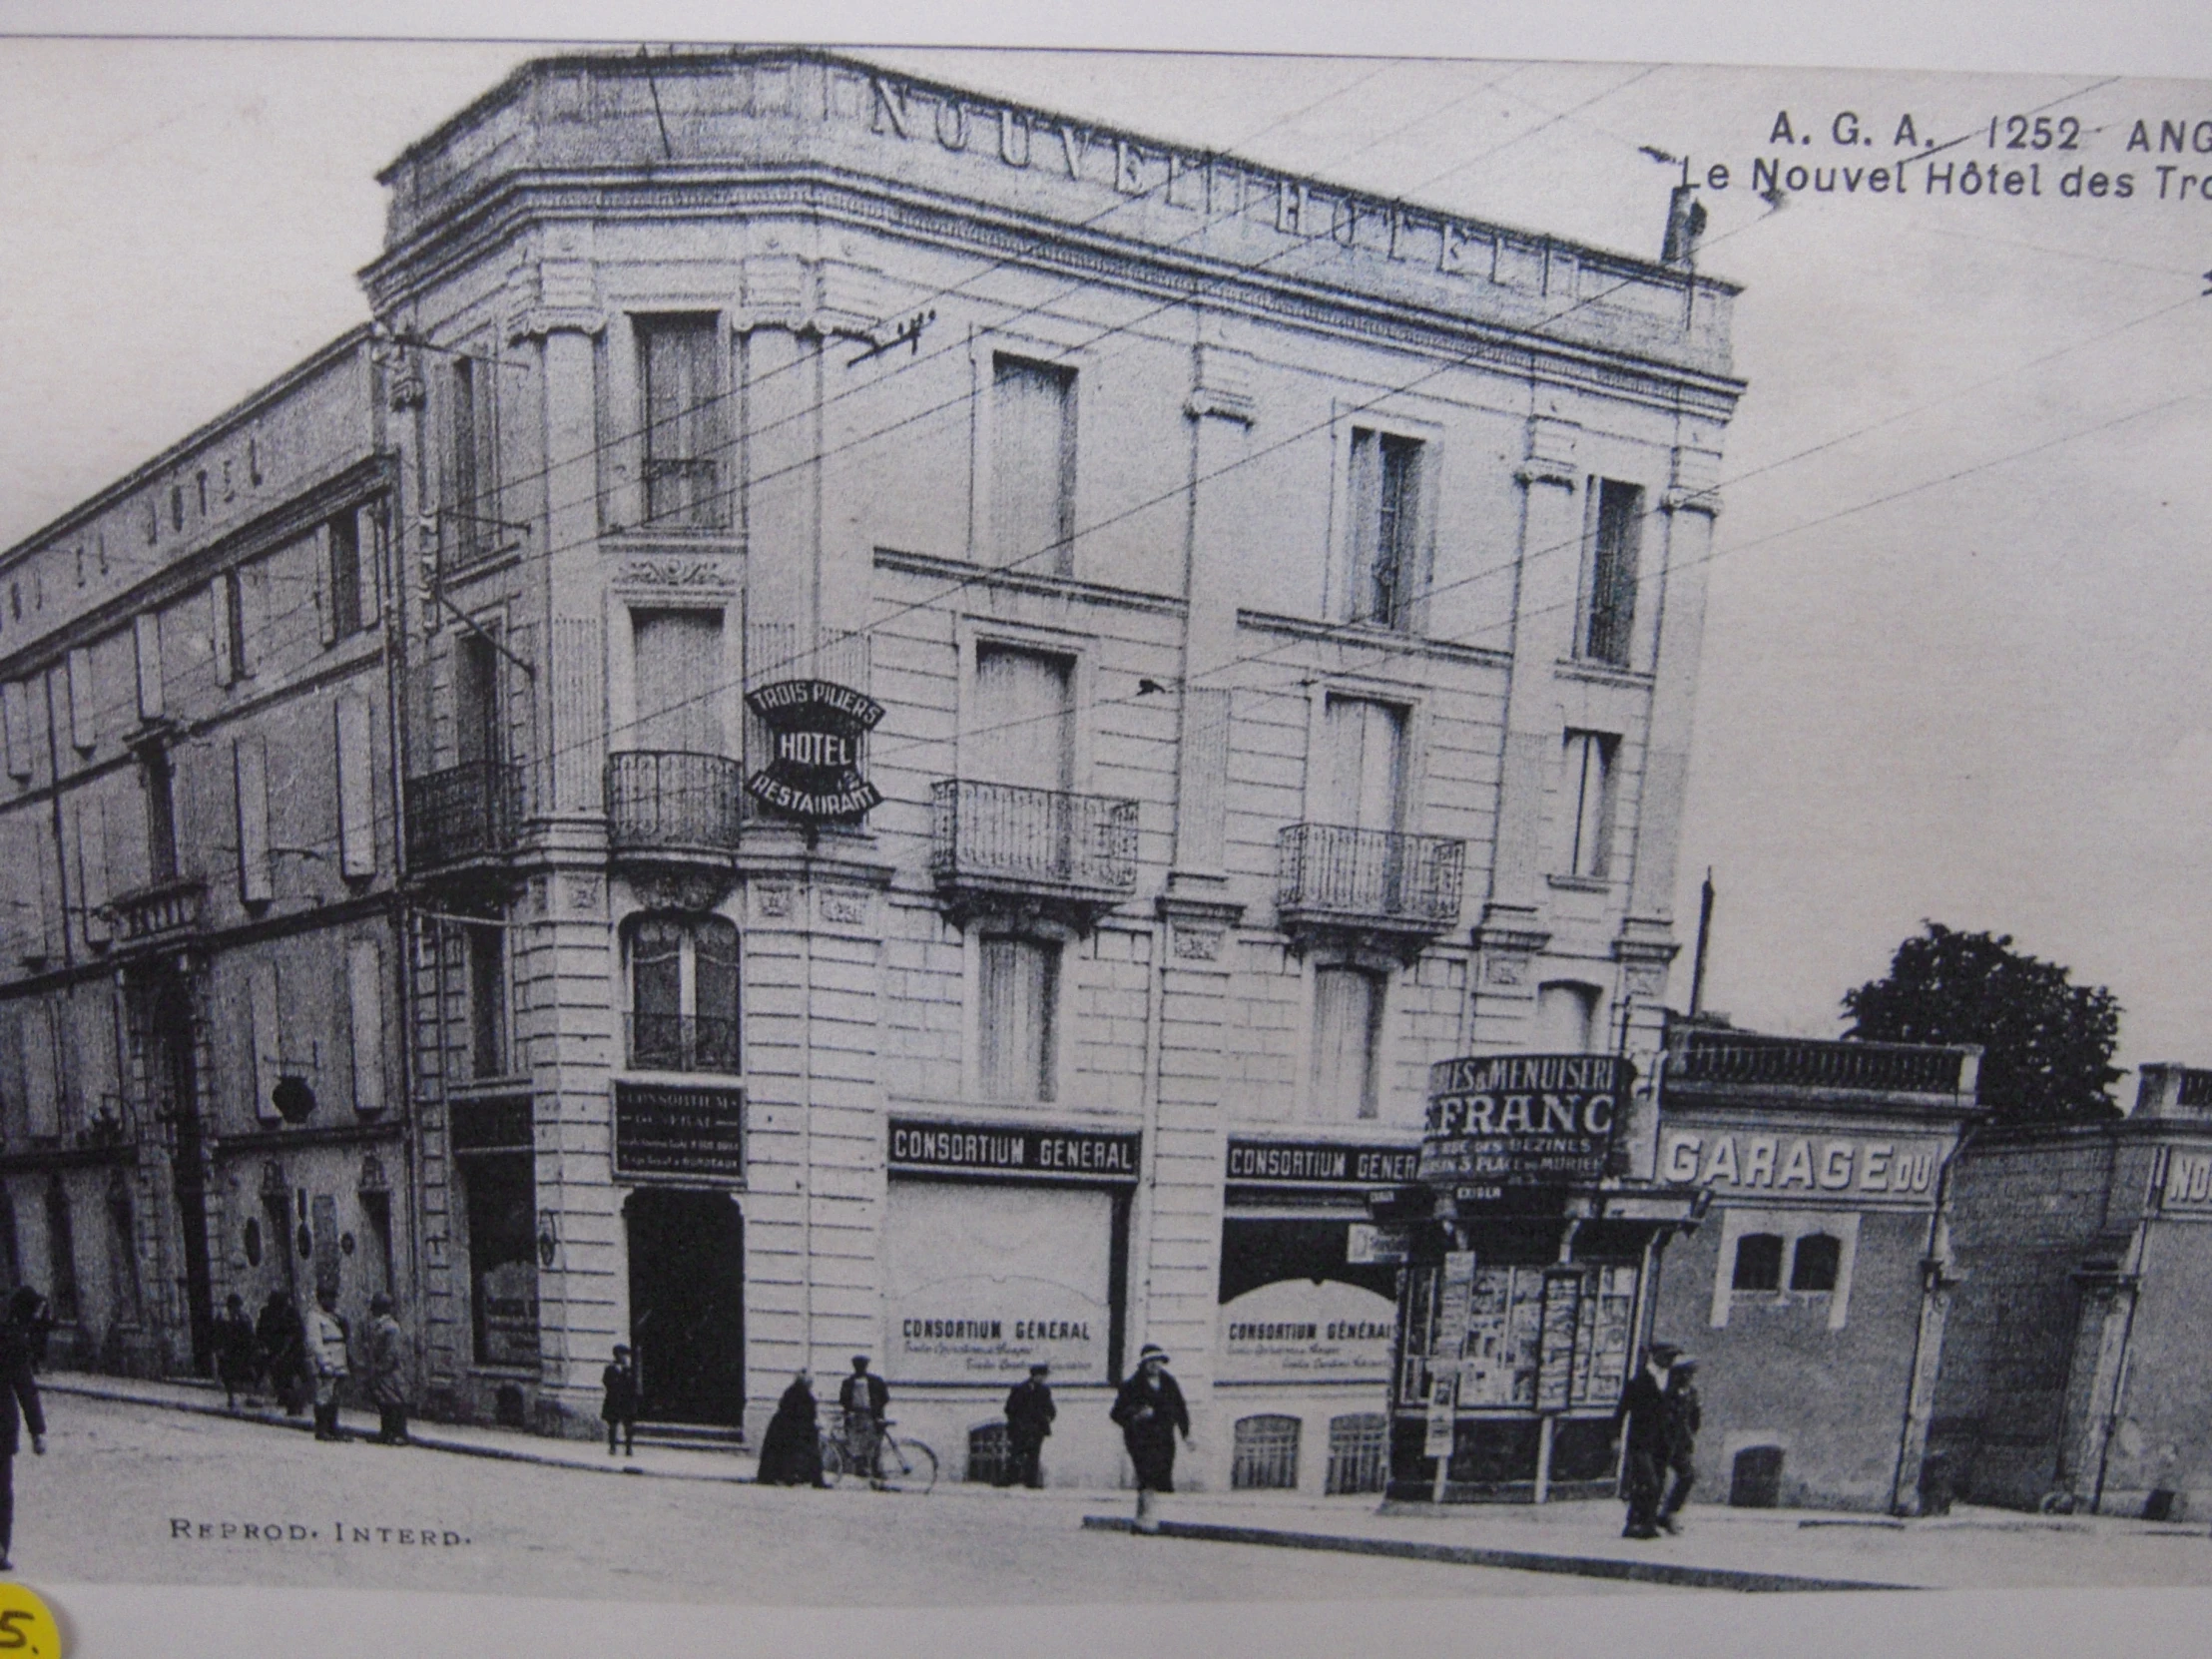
[687,1304]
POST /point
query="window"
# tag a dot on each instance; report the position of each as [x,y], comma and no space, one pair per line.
[474,465]
[683,994]
[1033,464]
[1566,1018]
[487,1000]
[679,680]
[1366,763]
[146,646]
[1386,525]
[250,769]
[227,604]
[1609,587]
[1815,1262]
[343,548]
[475,699]
[357,789]
[1758,1261]
[364,997]
[679,368]
[1019,982]
[1347,1031]
[1264,1454]
[1588,792]
[501,1210]
[159,783]
[264,1009]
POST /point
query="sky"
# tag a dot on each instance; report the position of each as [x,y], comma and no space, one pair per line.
[1954,663]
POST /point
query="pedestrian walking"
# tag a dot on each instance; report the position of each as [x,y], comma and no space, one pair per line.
[619,1409]
[863,1400]
[386,1369]
[237,1356]
[1643,1414]
[1685,1416]
[1151,1413]
[329,1342]
[1029,1414]
[790,1450]
[19,1404]
[279,1337]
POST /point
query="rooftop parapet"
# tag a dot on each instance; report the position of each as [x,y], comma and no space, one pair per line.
[1717,1060]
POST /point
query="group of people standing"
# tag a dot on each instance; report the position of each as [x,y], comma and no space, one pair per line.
[307,1359]
[1660,1412]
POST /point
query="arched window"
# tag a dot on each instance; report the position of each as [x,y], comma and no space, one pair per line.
[1816,1261]
[1758,1261]
[683,994]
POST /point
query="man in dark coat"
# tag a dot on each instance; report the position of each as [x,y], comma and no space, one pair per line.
[282,1350]
[619,1409]
[790,1450]
[1643,1412]
[386,1371]
[19,1404]
[1151,1413]
[864,1398]
[236,1357]
[1685,1416]
[1029,1414]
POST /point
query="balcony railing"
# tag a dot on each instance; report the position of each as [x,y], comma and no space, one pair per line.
[463,813]
[1007,837]
[683,1042]
[158,913]
[1328,872]
[672,800]
[1748,1058]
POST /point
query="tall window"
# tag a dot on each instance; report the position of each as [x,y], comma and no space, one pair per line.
[683,994]
[1589,801]
[475,699]
[161,813]
[1033,464]
[500,1206]
[680,368]
[487,1000]
[473,465]
[1017,1018]
[1366,762]
[1023,727]
[345,576]
[1348,1041]
[1385,526]
[1609,587]
[679,675]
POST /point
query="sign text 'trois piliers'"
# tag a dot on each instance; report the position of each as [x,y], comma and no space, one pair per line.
[815,730]
[1498,1123]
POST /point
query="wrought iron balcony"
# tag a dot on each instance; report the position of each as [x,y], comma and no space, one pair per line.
[158,914]
[672,803]
[465,815]
[1044,844]
[683,1042]
[1704,1055]
[1331,876]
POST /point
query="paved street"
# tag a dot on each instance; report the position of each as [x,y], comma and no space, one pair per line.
[122,1483]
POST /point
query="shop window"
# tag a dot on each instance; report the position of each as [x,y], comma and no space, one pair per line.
[1385,526]
[487,999]
[1033,464]
[1265,1454]
[501,1209]
[1018,982]
[1815,1262]
[680,375]
[1587,795]
[1758,1261]
[61,1253]
[1348,1041]
[1610,571]
[683,993]
[1358,1453]
[1566,1017]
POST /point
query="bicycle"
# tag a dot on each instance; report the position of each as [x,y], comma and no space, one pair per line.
[903,1465]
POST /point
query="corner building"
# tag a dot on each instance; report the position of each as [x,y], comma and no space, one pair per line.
[1246,635]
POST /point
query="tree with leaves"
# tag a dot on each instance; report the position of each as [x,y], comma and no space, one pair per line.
[2046,1043]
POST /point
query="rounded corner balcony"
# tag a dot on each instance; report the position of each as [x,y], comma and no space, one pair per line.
[997,845]
[1334,880]
[674,807]
[465,820]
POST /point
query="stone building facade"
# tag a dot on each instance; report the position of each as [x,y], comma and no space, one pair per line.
[1252,628]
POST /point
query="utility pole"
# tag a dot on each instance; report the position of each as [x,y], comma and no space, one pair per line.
[1704,935]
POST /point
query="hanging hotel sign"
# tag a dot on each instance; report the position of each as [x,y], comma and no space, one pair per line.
[815,731]
[1514,1123]
[1318,1164]
[694,1133]
[1008,1150]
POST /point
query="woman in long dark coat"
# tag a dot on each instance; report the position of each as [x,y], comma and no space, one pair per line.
[790,1450]
[19,1404]
[1151,1413]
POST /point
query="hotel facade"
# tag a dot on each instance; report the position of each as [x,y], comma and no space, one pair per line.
[959,706]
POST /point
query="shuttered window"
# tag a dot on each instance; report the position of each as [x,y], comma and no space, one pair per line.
[1348,1028]
[146,640]
[680,367]
[1023,727]
[1033,465]
[679,681]
[1366,762]
[357,789]
[249,769]
[1019,982]
[266,1036]
[364,996]
[1609,580]
[1588,800]
[1385,526]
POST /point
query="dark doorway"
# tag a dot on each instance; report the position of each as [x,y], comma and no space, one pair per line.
[1756,1478]
[687,1304]
[177,1079]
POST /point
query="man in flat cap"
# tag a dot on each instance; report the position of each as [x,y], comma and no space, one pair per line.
[1029,1414]
[1643,1412]
[1685,1416]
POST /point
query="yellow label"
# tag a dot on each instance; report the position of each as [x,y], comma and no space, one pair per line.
[27,1625]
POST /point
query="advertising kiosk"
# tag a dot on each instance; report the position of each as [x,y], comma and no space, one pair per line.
[1530,1263]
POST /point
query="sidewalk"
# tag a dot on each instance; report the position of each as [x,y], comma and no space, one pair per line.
[1720,1547]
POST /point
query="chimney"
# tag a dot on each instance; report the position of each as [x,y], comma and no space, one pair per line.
[1685,224]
